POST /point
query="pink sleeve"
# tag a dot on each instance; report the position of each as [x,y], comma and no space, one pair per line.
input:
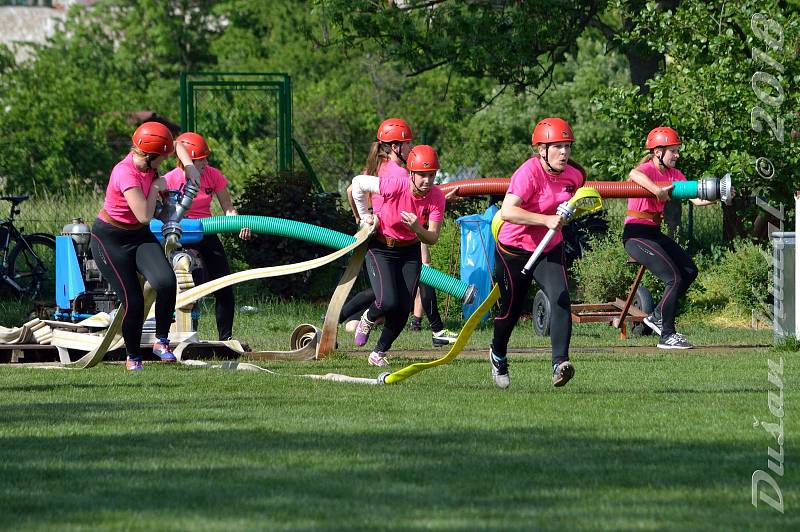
[437,207]
[218,179]
[678,175]
[124,180]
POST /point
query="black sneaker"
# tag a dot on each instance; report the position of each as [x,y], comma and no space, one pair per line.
[444,337]
[415,325]
[654,322]
[500,374]
[674,341]
[562,373]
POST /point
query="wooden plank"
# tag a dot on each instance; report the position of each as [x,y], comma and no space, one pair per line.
[595,306]
[12,347]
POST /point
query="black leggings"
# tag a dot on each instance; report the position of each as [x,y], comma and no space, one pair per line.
[215,263]
[430,306]
[394,276]
[356,305]
[667,261]
[121,255]
[549,273]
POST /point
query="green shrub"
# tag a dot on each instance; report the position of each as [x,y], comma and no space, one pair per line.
[603,273]
[446,254]
[446,257]
[741,279]
[292,197]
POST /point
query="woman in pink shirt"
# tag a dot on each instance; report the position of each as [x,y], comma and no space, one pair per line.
[411,211]
[123,245]
[212,182]
[386,159]
[644,240]
[537,188]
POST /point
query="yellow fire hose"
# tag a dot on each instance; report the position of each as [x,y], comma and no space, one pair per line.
[461,341]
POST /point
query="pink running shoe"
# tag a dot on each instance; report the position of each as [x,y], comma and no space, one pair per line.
[363,329]
[133,364]
[161,350]
[378,358]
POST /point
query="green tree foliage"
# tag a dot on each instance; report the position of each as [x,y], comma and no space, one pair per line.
[67,110]
[516,44]
[706,91]
[340,96]
[6,59]
[497,139]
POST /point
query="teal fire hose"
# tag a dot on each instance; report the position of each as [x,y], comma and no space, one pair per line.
[314,234]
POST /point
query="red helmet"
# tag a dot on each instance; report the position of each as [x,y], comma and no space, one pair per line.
[422,158]
[195,144]
[153,137]
[394,130]
[552,130]
[662,136]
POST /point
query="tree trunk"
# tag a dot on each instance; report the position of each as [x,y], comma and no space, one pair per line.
[732,225]
[643,61]
[673,212]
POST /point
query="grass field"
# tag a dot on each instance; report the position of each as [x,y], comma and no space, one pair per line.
[639,440]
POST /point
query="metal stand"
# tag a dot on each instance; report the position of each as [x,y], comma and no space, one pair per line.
[617,313]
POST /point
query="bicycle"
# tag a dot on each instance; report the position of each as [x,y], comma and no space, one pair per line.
[28,261]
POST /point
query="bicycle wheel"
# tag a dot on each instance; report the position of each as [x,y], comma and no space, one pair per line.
[32,265]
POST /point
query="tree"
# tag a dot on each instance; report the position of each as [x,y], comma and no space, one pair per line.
[515,43]
[498,138]
[64,105]
[729,74]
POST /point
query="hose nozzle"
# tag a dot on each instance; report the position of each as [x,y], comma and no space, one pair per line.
[469,295]
[190,190]
[172,212]
[712,189]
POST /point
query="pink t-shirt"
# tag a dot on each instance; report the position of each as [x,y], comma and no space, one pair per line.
[651,204]
[125,176]
[397,197]
[541,193]
[388,170]
[211,182]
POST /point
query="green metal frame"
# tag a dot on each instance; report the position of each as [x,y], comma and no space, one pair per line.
[272,81]
[269,81]
[310,169]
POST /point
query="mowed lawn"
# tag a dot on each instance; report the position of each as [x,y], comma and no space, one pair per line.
[645,441]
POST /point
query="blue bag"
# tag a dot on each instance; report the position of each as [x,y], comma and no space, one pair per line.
[477,255]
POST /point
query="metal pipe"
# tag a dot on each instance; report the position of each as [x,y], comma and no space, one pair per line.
[708,188]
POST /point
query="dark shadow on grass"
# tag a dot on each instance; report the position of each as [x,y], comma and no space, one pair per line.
[514,478]
[79,386]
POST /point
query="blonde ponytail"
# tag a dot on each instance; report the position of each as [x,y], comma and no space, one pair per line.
[646,159]
[378,154]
